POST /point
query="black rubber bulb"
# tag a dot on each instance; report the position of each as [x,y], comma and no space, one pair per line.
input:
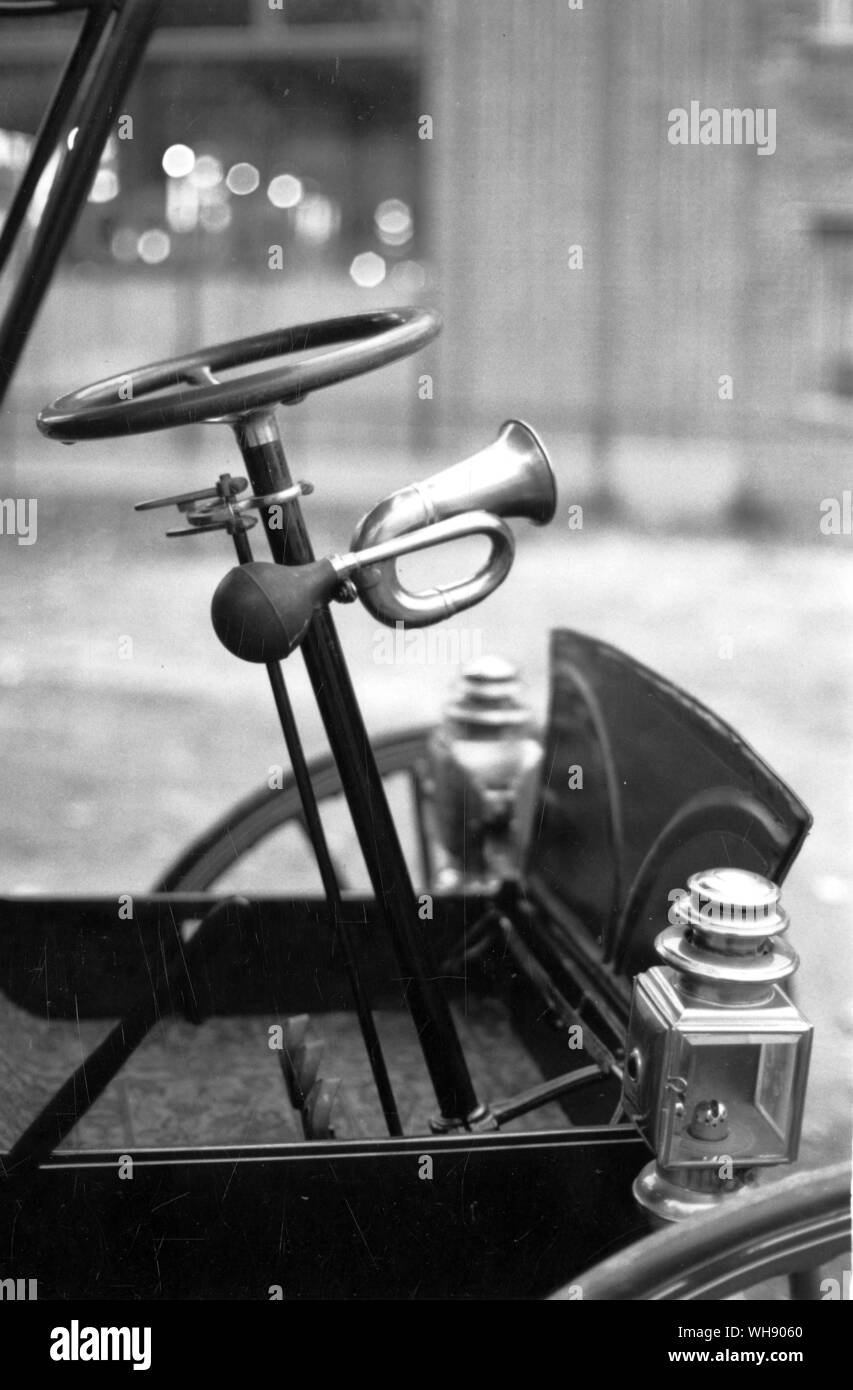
[261,611]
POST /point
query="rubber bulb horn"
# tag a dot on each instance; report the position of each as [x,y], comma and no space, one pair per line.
[262,611]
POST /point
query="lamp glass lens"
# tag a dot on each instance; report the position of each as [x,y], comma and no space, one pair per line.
[738,1101]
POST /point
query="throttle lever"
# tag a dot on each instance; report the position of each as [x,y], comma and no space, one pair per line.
[215,508]
[225,489]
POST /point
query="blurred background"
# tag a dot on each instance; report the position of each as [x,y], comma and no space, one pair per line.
[509,164]
[677,321]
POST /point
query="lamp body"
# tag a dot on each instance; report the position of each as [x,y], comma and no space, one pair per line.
[706,1083]
[717,1055]
[484,762]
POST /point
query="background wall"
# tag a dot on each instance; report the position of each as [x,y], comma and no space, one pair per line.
[549,132]
[697,261]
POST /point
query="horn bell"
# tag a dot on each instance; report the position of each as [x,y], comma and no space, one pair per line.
[512,477]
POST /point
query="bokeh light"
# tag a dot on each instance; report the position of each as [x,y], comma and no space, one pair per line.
[368,270]
[317,218]
[394,223]
[153,246]
[207,172]
[242,179]
[178,161]
[408,277]
[182,202]
[105,187]
[14,150]
[285,191]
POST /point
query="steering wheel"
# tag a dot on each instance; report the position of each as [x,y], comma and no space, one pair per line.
[184,391]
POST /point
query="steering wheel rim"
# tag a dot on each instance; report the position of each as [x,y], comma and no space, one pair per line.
[346,347]
[796,1223]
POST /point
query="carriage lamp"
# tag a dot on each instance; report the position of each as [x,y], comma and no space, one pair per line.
[717,1054]
[484,760]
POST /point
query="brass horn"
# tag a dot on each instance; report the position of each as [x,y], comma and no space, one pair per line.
[261,611]
[511,477]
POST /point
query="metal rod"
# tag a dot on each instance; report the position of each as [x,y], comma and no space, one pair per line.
[112,75]
[452,528]
[97,18]
[506,1110]
[331,888]
[261,446]
[423,806]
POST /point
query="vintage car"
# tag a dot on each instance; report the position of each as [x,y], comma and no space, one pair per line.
[586,930]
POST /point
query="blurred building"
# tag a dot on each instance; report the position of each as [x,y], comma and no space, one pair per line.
[699,263]
[678,319]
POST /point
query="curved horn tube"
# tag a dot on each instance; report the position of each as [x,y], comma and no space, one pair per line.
[511,477]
